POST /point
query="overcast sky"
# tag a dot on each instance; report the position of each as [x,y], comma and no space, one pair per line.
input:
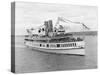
[34,14]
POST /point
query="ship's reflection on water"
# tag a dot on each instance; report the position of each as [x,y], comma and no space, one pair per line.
[30,60]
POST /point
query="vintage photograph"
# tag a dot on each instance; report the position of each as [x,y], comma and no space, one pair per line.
[53,37]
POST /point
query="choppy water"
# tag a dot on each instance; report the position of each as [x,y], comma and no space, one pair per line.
[28,60]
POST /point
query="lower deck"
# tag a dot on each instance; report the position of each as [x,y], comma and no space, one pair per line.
[77,48]
[66,45]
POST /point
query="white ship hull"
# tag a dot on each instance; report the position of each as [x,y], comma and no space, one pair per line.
[76,48]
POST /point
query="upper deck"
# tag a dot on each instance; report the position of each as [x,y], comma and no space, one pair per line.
[55,39]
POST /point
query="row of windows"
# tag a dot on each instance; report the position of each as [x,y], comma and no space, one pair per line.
[59,45]
[68,45]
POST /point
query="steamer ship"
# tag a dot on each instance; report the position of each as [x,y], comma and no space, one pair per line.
[55,39]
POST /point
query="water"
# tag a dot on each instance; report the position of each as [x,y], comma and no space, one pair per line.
[28,60]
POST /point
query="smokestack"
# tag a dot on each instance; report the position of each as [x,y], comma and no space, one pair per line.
[46,27]
[46,23]
[50,25]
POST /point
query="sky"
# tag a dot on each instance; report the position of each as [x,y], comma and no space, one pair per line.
[29,15]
